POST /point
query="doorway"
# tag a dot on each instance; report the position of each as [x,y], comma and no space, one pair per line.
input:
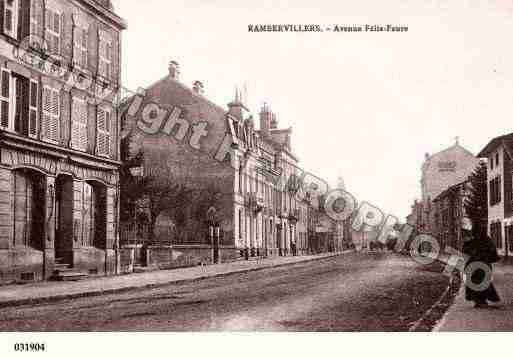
[64,220]
[95,214]
[29,208]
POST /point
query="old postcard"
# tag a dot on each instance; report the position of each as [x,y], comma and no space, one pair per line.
[175,168]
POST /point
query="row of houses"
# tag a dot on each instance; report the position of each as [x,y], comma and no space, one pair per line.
[62,164]
[249,182]
[445,186]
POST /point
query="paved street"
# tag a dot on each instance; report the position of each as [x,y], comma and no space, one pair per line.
[354,292]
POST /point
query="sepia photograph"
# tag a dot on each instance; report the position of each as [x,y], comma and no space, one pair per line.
[278,175]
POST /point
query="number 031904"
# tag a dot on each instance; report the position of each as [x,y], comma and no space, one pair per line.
[29,347]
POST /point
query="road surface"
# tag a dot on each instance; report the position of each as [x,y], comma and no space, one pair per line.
[352,292]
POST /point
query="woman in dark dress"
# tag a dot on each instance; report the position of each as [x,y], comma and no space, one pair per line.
[482,253]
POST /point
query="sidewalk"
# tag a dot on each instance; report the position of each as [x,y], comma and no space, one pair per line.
[462,316]
[45,291]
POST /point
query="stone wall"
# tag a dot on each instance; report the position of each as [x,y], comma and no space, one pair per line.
[167,257]
[15,265]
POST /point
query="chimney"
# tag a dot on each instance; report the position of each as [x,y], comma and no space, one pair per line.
[198,87]
[236,107]
[265,120]
[174,70]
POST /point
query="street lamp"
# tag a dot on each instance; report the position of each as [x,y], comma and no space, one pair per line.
[214,234]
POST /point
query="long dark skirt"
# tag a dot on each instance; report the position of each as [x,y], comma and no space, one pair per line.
[488,294]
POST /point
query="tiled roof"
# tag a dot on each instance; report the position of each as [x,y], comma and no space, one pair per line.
[506,140]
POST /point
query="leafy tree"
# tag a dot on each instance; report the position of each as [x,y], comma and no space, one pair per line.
[128,184]
[476,205]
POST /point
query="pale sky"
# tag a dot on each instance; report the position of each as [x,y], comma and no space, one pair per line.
[366,106]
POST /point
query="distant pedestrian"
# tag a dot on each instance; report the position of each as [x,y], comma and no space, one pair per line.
[482,253]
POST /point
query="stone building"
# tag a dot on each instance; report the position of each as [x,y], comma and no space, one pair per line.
[256,214]
[499,152]
[440,171]
[59,156]
[445,169]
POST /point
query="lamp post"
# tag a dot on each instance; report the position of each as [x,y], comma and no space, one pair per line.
[214,234]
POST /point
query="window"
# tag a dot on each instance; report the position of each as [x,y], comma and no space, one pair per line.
[18,104]
[5,80]
[33,108]
[491,163]
[51,114]
[105,57]
[496,234]
[11,18]
[497,159]
[53,31]
[80,41]
[79,124]
[495,188]
[103,127]
[241,169]
[33,19]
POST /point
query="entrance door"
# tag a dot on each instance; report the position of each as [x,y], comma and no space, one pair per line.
[64,220]
[29,200]
[94,215]
[100,215]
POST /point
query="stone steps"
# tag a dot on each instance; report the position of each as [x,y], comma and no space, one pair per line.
[64,272]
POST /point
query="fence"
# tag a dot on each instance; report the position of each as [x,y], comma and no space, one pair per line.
[133,234]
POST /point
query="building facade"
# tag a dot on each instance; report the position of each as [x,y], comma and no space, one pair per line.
[59,155]
[440,172]
[257,212]
[499,152]
[449,213]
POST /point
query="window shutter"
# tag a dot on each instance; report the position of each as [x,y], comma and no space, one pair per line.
[4,98]
[104,56]
[22,116]
[57,30]
[24,23]
[76,45]
[9,14]
[33,108]
[103,132]
[85,44]
[80,43]
[34,18]
[53,32]
[79,125]
[51,103]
